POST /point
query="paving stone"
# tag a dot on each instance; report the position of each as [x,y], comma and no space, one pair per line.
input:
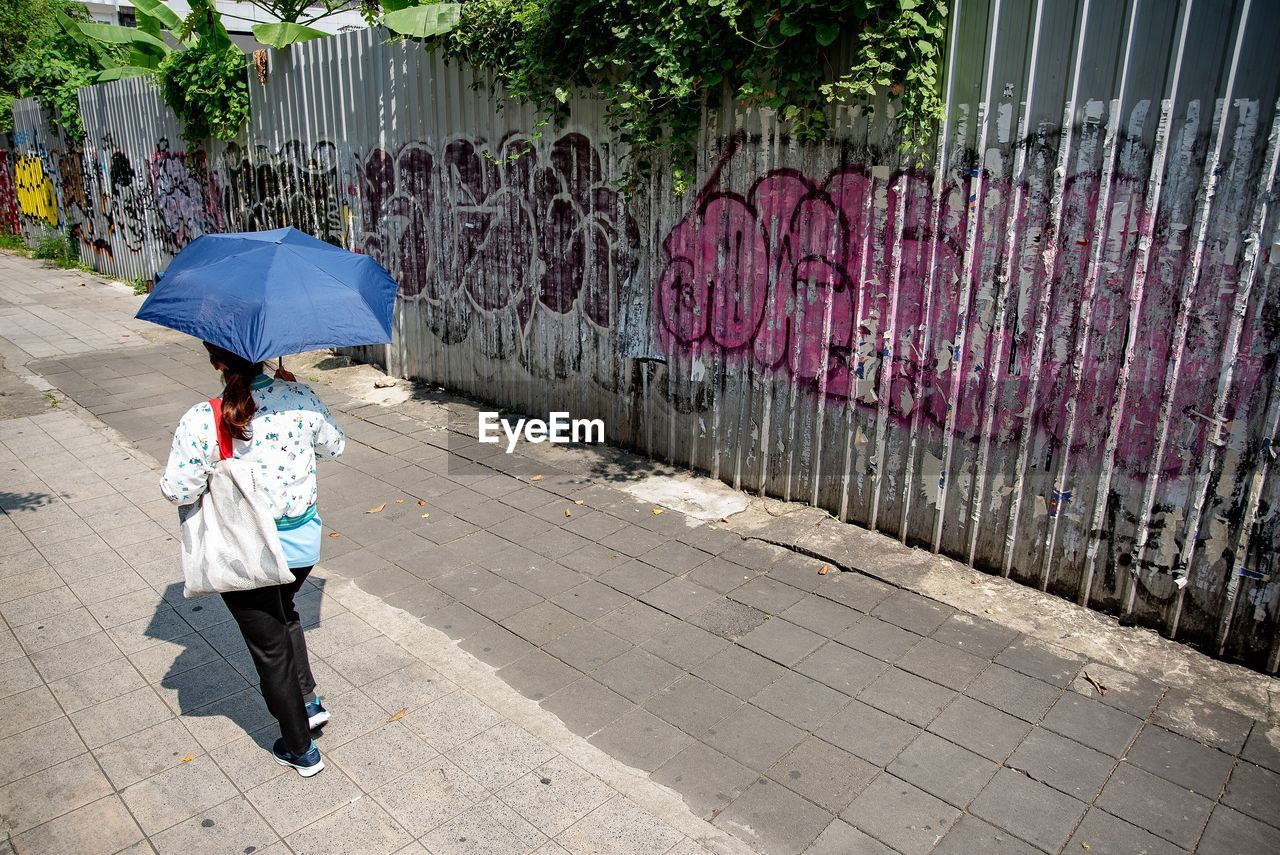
[820,615]
[728,619]
[767,595]
[98,828]
[774,819]
[753,737]
[27,709]
[496,646]
[877,638]
[381,755]
[912,612]
[641,739]
[1135,695]
[1093,724]
[200,686]
[680,597]
[826,775]
[973,635]
[618,825]
[633,541]
[802,701]
[972,835]
[1181,760]
[537,674]
[754,554]
[676,557]
[39,748]
[692,704]
[1183,712]
[591,600]
[587,647]
[363,827]
[502,600]
[634,578]
[291,802]
[707,779]
[739,671]
[942,664]
[1105,834]
[429,796]
[1014,693]
[1036,659]
[500,755]
[721,575]
[542,623]
[177,793]
[637,622]
[1262,747]
[547,579]
[1033,811]
[1062,763]
[368,660]
[555,795]
[585,706]
[72,625]
[1230,832]
[685,645]
[51,792]
[841,838]
[901,815]
[110,720]
[906,696]
[784,643]
[868,733]
[1254,791]
[145,753]
[842,668]
[1156,805]
[943,769]
[636,674]
[593,559]
[980,728]
[451,720]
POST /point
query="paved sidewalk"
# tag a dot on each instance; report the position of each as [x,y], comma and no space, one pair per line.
[794,709]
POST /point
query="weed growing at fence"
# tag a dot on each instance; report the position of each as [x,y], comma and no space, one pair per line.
[656,68]
[54,248]
[140,286]
[9,240]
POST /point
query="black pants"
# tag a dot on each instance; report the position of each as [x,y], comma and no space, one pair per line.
[271,629]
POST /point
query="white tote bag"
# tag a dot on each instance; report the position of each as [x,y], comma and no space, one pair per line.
[229,538]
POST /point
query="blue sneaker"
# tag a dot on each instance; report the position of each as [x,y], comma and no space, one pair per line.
[317,715]
[307,764]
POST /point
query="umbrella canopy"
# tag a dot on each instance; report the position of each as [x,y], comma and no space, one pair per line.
[266,294]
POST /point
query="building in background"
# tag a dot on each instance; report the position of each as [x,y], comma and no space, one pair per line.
[238,17]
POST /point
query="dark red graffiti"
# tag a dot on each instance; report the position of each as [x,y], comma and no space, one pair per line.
[798,276]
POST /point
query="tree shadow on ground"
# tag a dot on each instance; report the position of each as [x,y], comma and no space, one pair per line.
[18,502]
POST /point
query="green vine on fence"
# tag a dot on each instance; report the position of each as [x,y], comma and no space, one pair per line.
[656,63]
[207,87]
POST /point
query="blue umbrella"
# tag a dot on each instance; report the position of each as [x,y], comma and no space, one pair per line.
[265,294]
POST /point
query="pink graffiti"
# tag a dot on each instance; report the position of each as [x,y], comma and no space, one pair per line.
[9,220]
[797,276]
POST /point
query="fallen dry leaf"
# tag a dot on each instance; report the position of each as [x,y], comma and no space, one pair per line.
[657,511]
[422,503]
[990,611]
[334,534]
[824,569]
[399,501]
[398,714]
[577,501]
[568,513]
[1093,681]
[376,510]
[188,758]
[426,516]
[536,478]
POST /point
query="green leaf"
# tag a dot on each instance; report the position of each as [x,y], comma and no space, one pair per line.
[120,72]
[282,34]
[433,19]
[826,33]
[789,26]
[168,18]
[111,34]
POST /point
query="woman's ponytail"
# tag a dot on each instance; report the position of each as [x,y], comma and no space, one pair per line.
[238,374]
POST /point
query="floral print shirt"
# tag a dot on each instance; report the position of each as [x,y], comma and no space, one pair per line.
[288,432]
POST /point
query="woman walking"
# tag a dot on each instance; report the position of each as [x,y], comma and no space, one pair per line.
[281,426]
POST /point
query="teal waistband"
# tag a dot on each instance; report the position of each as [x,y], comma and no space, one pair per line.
[290,523]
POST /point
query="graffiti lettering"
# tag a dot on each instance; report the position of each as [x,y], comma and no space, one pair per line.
[37,199]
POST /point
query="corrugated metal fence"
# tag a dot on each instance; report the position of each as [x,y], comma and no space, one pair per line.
[1051,354]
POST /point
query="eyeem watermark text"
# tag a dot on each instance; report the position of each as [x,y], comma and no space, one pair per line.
[558,429]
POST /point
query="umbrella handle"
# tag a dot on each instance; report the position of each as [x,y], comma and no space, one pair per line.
[284,374]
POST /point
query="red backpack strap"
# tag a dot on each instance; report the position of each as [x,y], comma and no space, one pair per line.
[225,450]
